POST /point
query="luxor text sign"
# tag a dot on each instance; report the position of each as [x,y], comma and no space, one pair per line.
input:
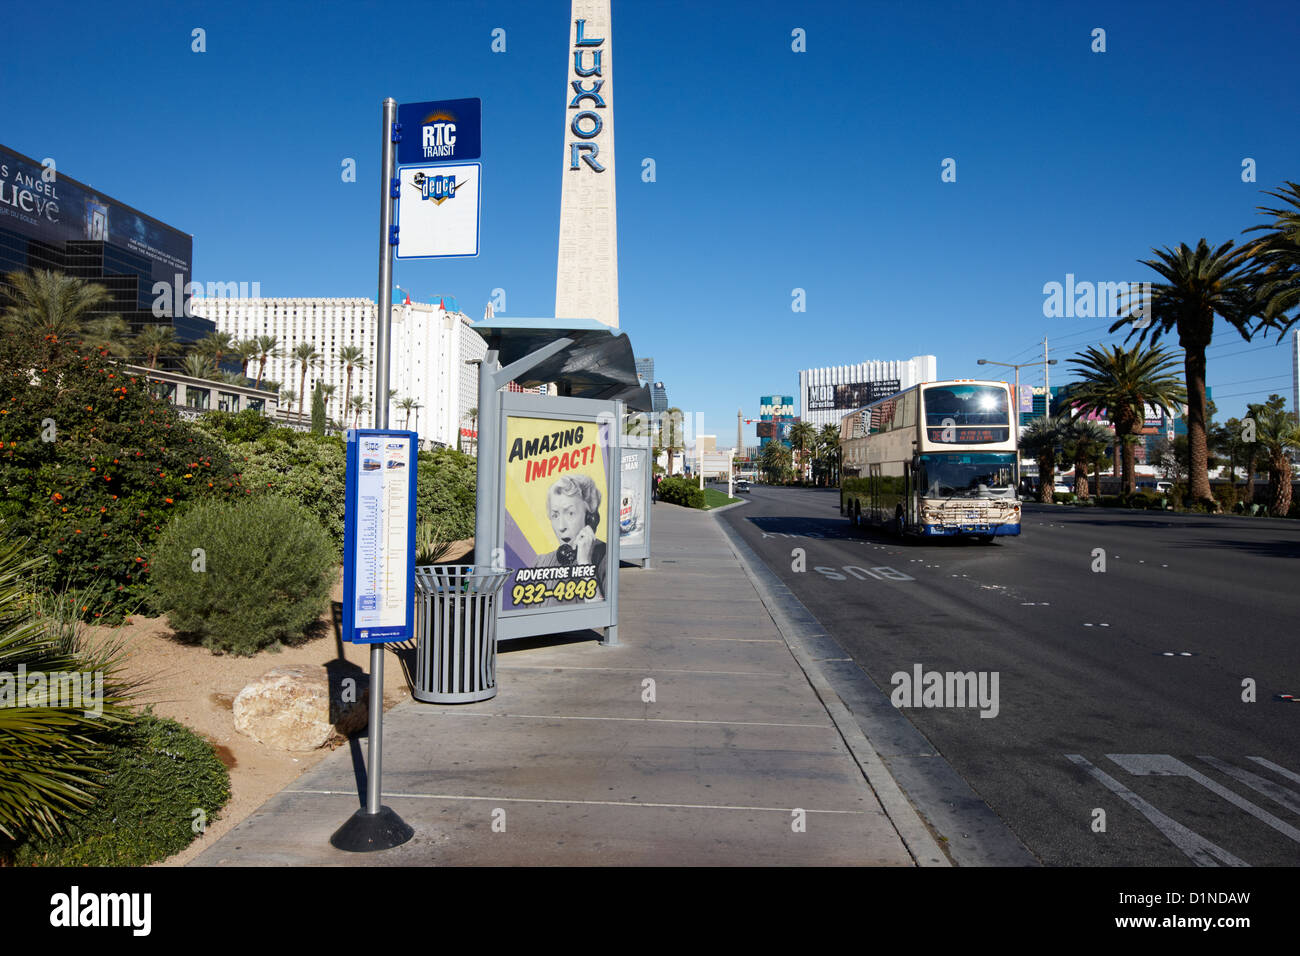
[440,131]
[379,536]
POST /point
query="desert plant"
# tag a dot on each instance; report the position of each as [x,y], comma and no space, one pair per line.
[243,576]
[154,773]
[58,693]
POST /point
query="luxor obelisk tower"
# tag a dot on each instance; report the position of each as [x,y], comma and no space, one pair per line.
[586,285]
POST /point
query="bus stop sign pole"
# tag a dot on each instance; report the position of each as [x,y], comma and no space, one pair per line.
[374,826]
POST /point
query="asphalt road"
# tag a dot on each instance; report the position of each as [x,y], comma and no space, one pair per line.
[1119,691]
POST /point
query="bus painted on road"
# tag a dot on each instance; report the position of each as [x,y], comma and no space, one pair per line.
[935,460]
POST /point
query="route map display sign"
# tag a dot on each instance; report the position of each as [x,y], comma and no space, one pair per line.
[557,513]
[379,537]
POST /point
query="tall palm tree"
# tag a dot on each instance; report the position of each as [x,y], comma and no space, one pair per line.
[802,436]
[285,398]
[828,444]
[406,404]
[306,356]
[1117,383]
[155,341]
[358,404]
[1040,440]
[247,350]
[1277,257]
[1200,284]
[1277,433]
[1085,440]
[50,303]
[268,346]
[351,357]
[215,345]
[197,365]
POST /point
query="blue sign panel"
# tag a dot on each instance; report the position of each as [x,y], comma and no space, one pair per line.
[440,131]
[379,537]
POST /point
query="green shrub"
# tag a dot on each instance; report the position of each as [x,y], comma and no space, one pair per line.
[1225,494]
[681,491]
[1063,497]
[445,482]
[266,573]
[156,774]
[92,467]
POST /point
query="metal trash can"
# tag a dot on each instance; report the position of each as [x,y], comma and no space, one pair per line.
[456,633]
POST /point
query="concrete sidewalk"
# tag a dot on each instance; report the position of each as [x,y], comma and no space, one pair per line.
[580,770]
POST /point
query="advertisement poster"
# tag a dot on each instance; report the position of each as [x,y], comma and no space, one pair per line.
[557,516]
[631,504]
[379,535]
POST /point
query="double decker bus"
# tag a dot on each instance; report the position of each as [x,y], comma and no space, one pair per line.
[937,459]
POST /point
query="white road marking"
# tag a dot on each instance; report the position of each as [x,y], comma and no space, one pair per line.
[1163,765]
[1289,774]
[1274,791]
[1198,849]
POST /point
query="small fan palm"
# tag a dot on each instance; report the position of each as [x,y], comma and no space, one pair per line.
[1040,441]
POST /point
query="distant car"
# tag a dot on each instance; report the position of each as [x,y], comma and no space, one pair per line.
[742,485]
[1062,489]
[1164,487]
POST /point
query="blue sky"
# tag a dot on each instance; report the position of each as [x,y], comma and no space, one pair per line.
[775,170]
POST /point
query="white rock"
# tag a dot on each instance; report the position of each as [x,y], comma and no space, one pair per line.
[289,708]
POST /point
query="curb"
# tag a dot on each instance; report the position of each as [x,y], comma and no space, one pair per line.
[911,829]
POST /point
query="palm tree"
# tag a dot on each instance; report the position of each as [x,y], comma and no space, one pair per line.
[267,347]
[305,355]
[1277,433]
[327,392]
[802,435]
[1276,255]
[1085,440]
[197,365]
[247,350]
[1040,440]
[775,460]
[50,303]
[828,450]
[352,357]
[1117,383]
[406,404]
[1200,284]
[671,435]
[358,404]
[107,334]
[215,345]
[285,398]
[154,341]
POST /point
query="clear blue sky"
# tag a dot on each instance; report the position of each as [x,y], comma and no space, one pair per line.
[775,170]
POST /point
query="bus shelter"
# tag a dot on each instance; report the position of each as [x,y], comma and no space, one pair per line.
[550,472]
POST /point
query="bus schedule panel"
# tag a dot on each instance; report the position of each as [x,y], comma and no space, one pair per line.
[379,537]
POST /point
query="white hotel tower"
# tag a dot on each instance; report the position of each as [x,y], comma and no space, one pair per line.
[919,368]
[430,346]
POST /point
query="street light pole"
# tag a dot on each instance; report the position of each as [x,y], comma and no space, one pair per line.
[1044,362]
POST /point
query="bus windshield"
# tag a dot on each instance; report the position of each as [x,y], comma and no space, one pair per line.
[966,476]
[966,414]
